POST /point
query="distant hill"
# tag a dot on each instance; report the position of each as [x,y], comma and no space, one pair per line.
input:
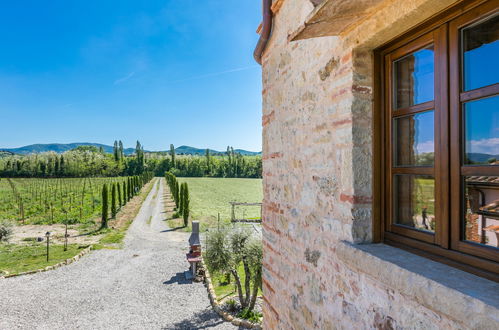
[5,154]
[186,150]
[480,158]
[60,148]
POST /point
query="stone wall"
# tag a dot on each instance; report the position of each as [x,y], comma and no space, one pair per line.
[317,169]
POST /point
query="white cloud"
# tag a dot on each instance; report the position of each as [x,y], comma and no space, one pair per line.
[427,146]
[484,146]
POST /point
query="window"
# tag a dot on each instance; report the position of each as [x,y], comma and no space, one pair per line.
[439,130]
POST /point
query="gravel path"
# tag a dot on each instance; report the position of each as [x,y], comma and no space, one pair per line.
[139,287]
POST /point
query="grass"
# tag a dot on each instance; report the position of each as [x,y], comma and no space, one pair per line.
[224,289]
[17,259]
[211,196]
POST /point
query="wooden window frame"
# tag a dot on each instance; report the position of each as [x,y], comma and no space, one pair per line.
[445,245]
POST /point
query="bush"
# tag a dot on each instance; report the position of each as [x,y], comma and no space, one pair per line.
[5,230]
[250,315]
[232,305]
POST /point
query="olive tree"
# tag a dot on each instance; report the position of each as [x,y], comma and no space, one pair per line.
[227,251]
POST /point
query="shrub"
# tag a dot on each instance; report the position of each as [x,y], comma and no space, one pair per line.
[5,230]
[249,315]
[232,305]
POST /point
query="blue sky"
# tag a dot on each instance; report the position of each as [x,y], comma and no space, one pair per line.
[162,72]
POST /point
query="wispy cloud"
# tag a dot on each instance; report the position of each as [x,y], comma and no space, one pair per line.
[214,74]
[123,79]
[485,146]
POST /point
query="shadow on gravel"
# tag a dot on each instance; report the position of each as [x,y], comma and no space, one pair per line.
[179,278]
[202,320]
[172,229]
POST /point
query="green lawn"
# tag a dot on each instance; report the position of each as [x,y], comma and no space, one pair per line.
[224,289]
[210,196]
[21,258]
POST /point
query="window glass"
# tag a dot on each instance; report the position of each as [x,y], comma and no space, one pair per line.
[414,78]
[481,122]
[414,201]
[480,44]
[414,139]
[481,201]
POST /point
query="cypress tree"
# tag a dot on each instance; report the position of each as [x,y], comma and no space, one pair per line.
[118,187]
[115,151]
[104,207]
[181,200]
[113,201]
[172,154]
[131,187]
[185,204]
[125,192]
[177,197]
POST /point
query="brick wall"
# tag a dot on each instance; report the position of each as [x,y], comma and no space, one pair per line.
[317,170]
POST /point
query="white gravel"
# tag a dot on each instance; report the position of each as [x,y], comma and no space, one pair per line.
[139,287]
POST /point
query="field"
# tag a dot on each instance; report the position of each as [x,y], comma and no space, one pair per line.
[211,196]
[49,201]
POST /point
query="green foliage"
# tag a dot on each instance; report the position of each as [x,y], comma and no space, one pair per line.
[105,207]
[118,192]
[185,204]
[48,201]
[113,201]
[227,251]
[181,199]
[5,230]
[231,305]
[250,315]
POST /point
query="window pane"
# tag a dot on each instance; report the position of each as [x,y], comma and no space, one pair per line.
[414,139]
[413,76]
[481,222]
[414,201]
[481,121]
[480,54]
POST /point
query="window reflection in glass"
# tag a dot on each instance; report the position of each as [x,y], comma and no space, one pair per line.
[414,201]
[480,54]
[481,121]
[414,139]
[481,200]
[414,78]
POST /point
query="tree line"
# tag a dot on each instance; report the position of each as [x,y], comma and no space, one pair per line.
[121,193]
[90,161]
[180,195]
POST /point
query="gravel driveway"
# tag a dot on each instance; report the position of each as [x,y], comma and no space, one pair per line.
[139,287]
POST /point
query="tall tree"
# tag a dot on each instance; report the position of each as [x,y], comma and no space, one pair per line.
[105,207]
[113,201]
[118,192]
[185,204]
[172,154]
[208,162]
[115,151]
[121,151]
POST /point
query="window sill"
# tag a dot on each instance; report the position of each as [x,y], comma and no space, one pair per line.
[467,298]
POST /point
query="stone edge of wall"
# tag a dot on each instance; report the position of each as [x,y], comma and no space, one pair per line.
[216,306]
[472,309]
[60,264]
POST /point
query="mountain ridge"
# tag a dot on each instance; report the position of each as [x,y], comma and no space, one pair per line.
[63,147]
